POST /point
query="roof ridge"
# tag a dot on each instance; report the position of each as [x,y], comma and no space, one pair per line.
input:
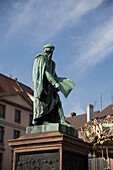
[106,107]
[19,85]
[15,80]
[102,111]
[6,76]
[25,85]
[83,114]
[77,115]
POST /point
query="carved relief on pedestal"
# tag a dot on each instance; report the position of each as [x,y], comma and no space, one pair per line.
[38,161]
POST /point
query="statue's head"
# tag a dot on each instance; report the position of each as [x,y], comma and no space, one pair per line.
[48,50]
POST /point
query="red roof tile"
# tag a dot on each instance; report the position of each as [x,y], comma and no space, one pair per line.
[107,111]
[8,84]
[26,89]
[79,120]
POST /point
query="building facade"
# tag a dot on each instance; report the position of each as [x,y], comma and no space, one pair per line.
[15,115]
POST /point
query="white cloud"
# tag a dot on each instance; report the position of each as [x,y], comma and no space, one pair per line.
[96,46]
[43,20]
[77,109]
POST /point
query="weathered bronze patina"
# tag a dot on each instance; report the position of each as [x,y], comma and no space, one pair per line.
[47,104]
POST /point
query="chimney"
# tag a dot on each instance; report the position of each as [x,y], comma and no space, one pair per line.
[16,79]
[73,114]
[90,112]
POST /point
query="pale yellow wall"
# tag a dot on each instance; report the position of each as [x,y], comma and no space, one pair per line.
[25,118]
[9,126]
[9,114]
[18,99]
[7,155]
[10,111]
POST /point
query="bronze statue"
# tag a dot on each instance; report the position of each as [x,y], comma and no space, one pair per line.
[47,104]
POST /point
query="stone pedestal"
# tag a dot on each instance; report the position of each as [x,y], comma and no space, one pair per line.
[49,151]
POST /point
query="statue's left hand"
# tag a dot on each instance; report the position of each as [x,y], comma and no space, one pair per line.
[57,86]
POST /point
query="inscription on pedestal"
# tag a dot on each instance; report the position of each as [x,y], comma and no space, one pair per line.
[38,160]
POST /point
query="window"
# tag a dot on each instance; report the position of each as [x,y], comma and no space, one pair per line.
[16,134]
[2,111]
[17,116]
[30,119]
[1,134]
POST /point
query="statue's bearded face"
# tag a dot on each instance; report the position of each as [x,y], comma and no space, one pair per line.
[48,53]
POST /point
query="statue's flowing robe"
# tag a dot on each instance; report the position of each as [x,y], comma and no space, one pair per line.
[45,94]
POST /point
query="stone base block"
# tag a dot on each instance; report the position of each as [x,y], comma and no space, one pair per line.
[56,127]
[49,151]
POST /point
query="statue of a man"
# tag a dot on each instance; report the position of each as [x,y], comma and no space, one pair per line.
[47,104]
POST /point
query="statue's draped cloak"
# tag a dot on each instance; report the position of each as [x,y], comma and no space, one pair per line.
[45,95]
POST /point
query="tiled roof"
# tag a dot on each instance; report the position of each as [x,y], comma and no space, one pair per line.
[79,120]
[7,84]
[26,89]
[12,86]
[107,111]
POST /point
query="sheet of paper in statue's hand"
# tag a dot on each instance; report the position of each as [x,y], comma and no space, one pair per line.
[66,86]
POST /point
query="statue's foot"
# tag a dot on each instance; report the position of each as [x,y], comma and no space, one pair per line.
[46,123]
[63,122]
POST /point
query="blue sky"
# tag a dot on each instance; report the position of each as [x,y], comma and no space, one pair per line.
[82,33]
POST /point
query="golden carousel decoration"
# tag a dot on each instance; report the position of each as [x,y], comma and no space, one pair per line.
[100,134]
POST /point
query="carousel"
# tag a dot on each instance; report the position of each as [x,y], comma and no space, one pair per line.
[100,134]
